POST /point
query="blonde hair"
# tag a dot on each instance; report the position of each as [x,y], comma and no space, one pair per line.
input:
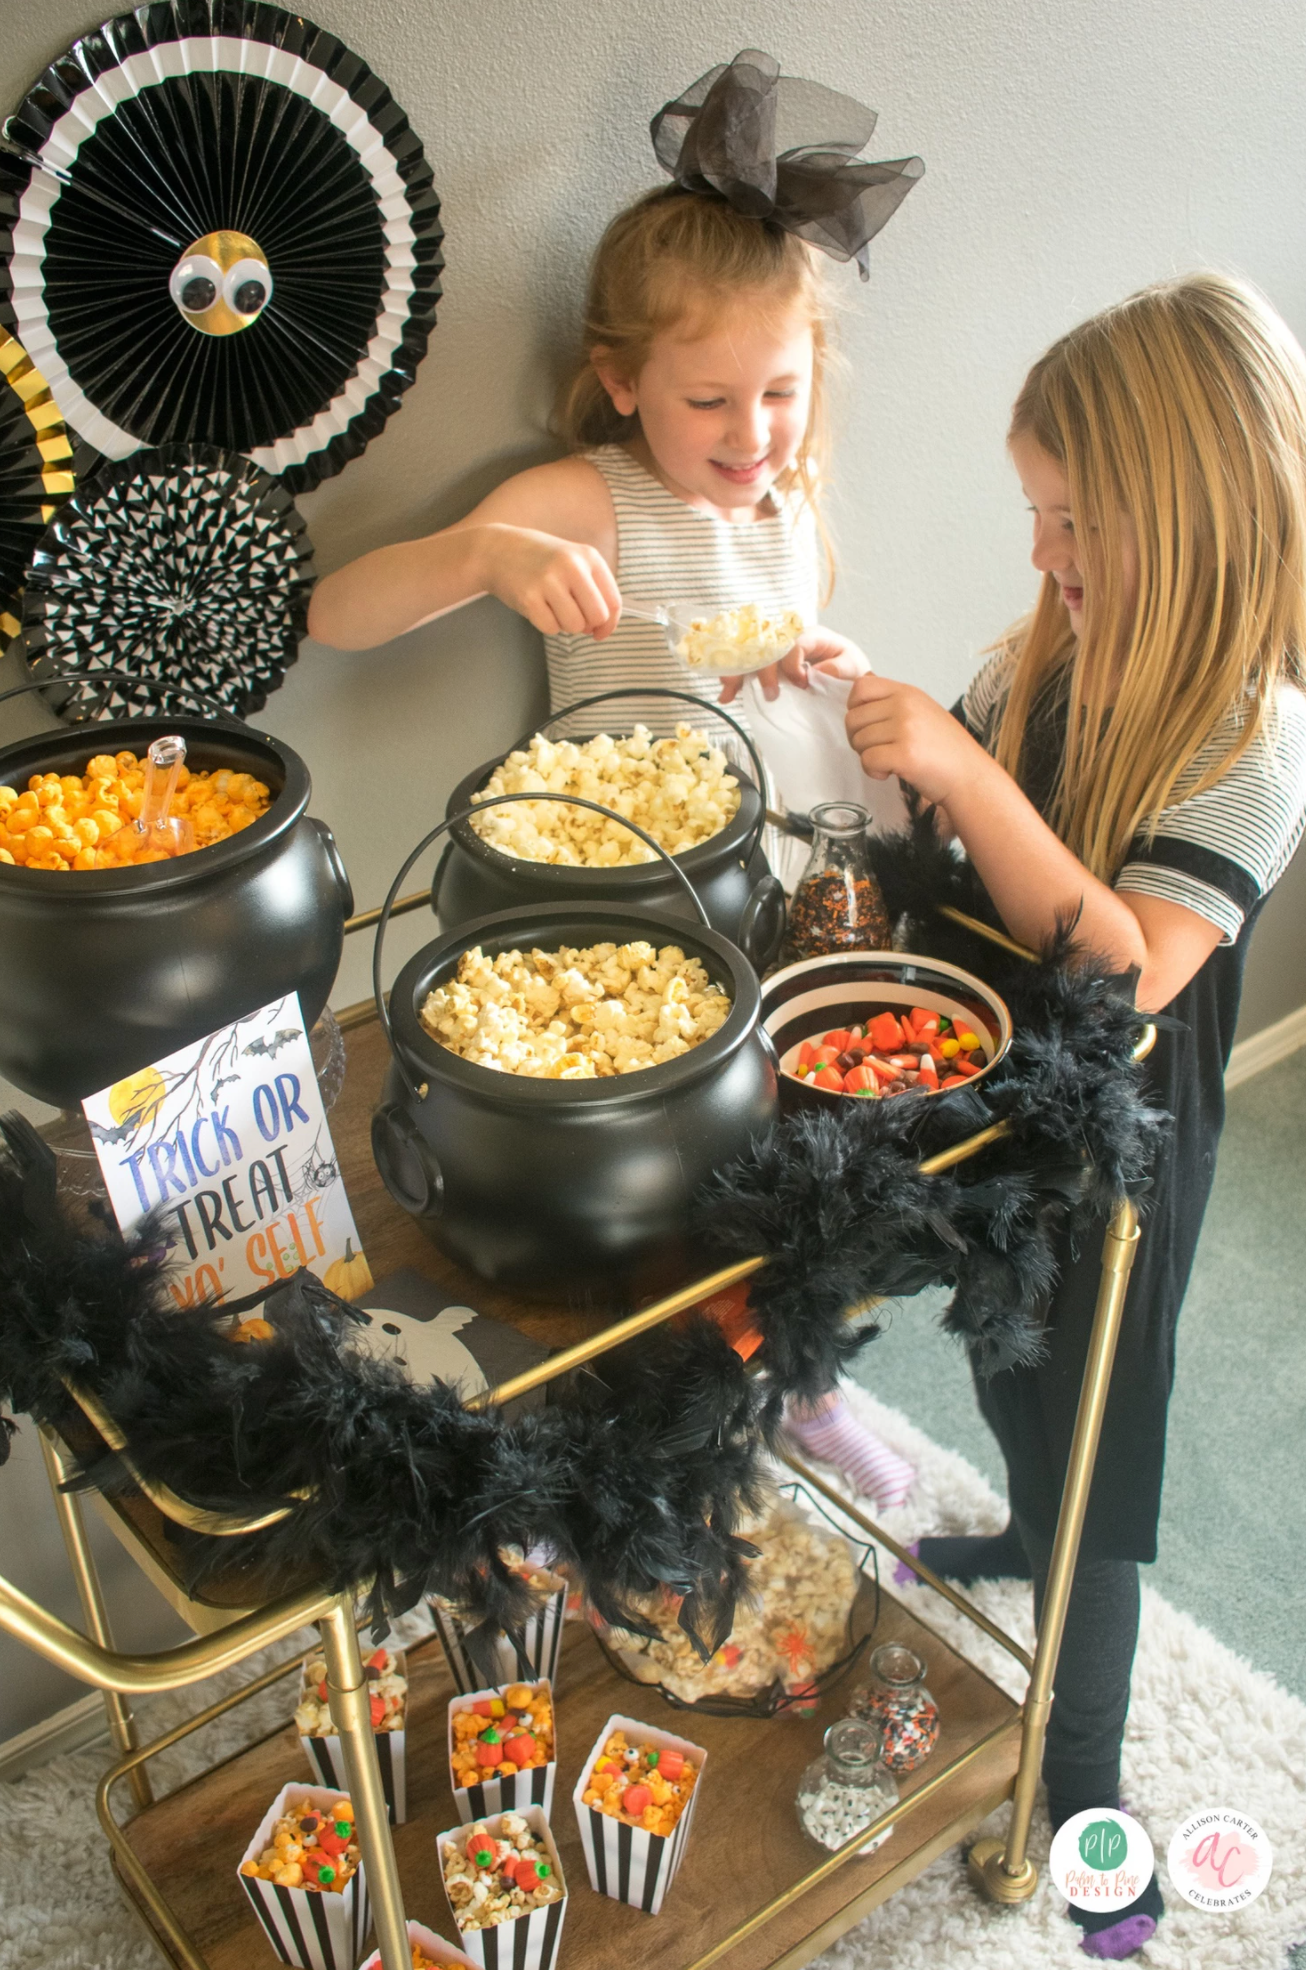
[1179,417]
[678,259]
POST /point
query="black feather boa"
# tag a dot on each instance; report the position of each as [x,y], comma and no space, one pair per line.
[635,1480]
[637,1473]
[837,1202]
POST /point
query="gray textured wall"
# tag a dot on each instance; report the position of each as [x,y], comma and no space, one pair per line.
[1074,151]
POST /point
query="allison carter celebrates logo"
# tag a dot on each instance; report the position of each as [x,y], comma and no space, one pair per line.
[1219,1859]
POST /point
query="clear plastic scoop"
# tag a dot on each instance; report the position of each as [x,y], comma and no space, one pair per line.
[172,833]
[708,640]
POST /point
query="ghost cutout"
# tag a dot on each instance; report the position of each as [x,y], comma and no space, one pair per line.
[429,1350]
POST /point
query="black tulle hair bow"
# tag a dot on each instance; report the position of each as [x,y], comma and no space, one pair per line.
[779,148]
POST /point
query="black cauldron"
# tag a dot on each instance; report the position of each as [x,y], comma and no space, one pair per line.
[728,872]
[562,1183]
[103,970]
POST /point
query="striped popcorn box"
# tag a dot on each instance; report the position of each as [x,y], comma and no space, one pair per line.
[388,1678]
[433,1948]
[310,1927]
[532,1786]
[523,1942]
[530,1653]
[628,1863]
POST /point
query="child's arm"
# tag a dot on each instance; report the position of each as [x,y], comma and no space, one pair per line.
[544,542]
[1031,875]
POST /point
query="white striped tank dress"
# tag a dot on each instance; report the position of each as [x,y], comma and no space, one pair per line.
[669,552]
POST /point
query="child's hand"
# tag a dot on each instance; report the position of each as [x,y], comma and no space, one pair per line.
[816,649]
[560,586]
[894,728]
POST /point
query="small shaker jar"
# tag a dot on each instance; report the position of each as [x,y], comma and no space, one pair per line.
[837,905]
[898,1706]
[846,1787]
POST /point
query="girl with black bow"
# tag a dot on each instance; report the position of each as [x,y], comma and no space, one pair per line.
[1133,757]
[694,423]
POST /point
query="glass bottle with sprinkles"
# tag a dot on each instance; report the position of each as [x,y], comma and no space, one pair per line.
[897,1703]
[837,905]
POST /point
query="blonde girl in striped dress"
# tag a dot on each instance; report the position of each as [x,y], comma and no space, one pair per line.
[695,425]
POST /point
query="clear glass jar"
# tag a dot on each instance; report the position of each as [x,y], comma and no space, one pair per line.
[846,1787]
[837,905]
[898,1706]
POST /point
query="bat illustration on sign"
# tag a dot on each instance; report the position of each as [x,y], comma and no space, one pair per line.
[282,1037]
[226,1080]
[123,1132]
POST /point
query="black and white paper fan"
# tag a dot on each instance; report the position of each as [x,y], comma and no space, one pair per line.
[222,230]
[35,470]
[188,564]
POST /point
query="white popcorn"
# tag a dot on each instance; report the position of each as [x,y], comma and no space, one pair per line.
[575,1015]
[739,639]
[678,790]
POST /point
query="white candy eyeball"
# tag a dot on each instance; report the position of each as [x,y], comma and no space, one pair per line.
[195,283]
[247,287]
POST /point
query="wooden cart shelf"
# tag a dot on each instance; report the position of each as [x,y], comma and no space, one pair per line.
[745,1847]
[753,1892]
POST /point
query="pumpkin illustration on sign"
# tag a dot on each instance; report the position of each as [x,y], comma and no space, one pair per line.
[349,1276]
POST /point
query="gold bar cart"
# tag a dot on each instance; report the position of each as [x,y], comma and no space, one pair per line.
[243,1617]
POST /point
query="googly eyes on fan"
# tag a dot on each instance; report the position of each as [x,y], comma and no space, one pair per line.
[242,199]
[222,284]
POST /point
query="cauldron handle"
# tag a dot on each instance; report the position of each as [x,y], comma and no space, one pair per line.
[467,814]
[178,689]
[685,697]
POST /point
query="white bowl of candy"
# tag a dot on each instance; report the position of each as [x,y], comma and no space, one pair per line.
[870,1025]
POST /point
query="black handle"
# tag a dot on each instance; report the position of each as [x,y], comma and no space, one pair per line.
[336,861]
[468,813]
[684,697]
[762,922]
[88,683]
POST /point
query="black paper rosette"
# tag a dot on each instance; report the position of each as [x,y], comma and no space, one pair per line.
[35,470]
[193,122]
[187,564]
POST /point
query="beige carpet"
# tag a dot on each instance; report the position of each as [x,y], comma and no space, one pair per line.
[1204,1730]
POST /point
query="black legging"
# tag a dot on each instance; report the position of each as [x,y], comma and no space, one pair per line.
[1081,1760]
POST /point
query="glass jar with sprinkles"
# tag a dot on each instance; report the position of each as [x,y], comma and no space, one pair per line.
[897,1704]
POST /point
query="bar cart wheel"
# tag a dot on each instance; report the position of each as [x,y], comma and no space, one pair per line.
[988,1874]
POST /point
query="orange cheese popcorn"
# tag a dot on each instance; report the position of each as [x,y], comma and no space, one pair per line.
[78,821]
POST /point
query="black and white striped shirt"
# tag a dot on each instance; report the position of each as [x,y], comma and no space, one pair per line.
[1217,852]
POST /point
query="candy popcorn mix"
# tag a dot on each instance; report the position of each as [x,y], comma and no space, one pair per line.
[640,1784]
[739,639]
[574,1015]
[500,1736]
[387,1689]
[310,1849]
[493,1877]
[677,790]
[792,1624]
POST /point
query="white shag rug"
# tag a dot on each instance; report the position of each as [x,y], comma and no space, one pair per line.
[1204,1729]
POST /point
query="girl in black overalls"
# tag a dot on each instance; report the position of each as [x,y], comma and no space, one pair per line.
[1135,752]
